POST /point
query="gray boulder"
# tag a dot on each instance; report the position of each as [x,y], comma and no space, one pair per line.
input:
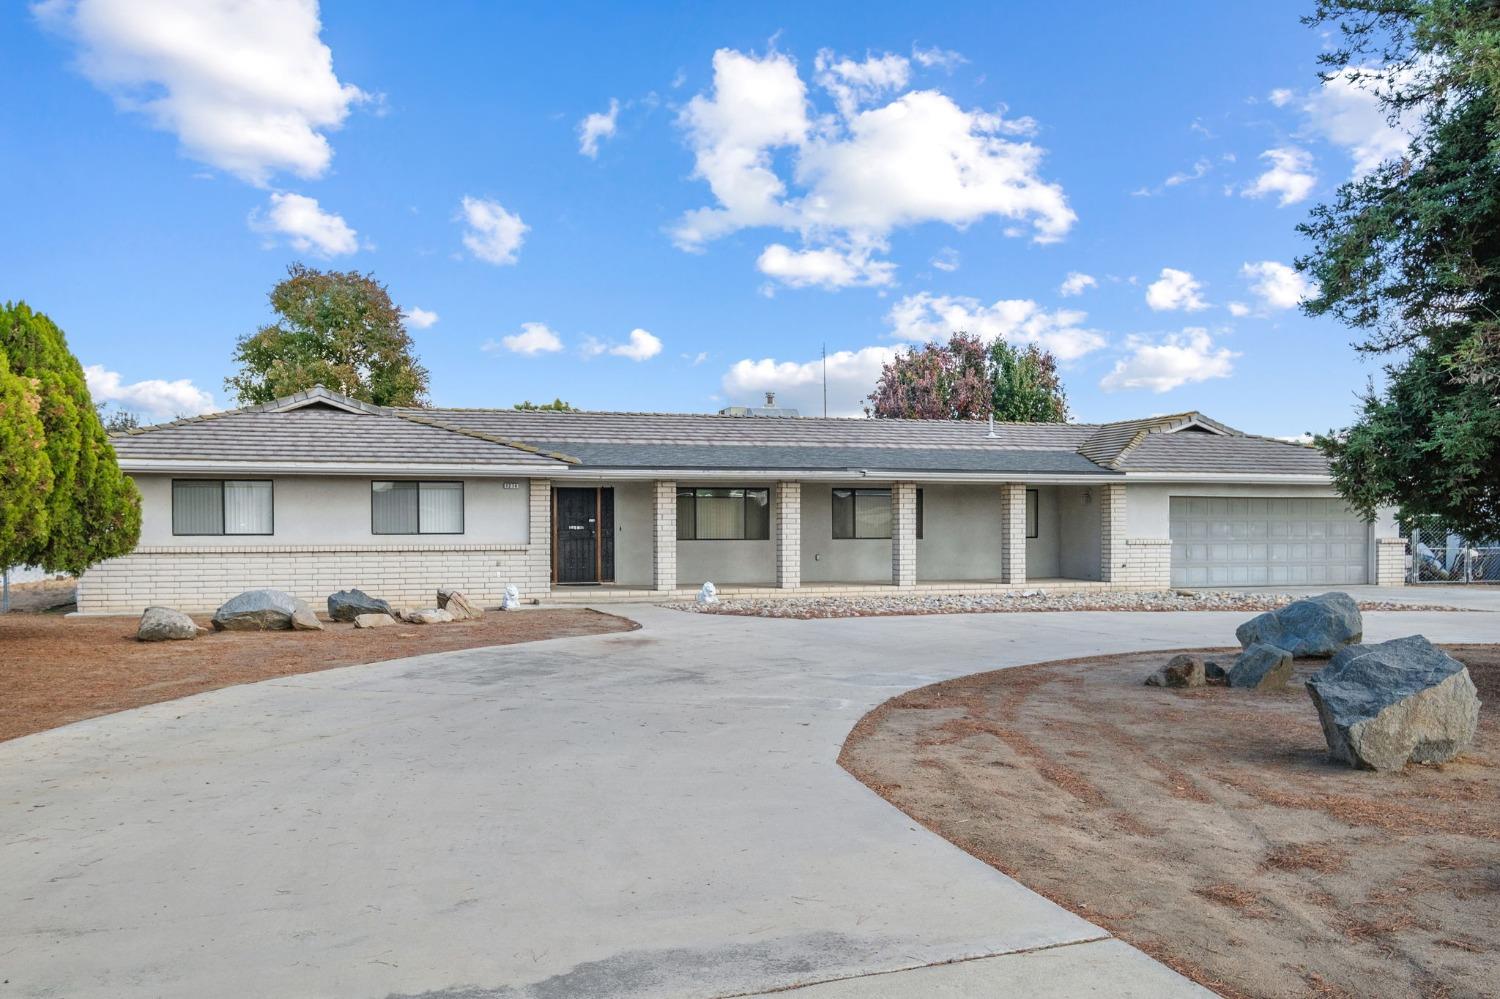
[163,624]
[1217,669]
[1181,670]
[1315,626]
[1403,700]
[346,605]
[373,621]
[458,605]
[258,610]
[427,615]
[303,619]
[1261,667]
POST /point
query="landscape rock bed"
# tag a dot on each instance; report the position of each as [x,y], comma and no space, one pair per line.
[807,608]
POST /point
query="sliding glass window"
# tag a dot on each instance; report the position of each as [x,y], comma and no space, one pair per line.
[222,506]
[398,507]
[717,514]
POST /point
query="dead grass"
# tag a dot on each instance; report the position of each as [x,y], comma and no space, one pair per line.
[1208,827]
[55,670]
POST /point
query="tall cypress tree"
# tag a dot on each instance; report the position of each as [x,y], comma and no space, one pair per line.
[93,511]
[25,470]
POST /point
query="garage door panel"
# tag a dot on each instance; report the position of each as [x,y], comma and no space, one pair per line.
[1266,541]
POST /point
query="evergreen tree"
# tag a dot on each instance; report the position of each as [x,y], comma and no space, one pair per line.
[338,329]
[1025,385]
[1410,256]
[25,470]
[93,510]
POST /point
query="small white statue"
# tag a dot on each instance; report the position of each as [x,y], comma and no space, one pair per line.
[512,599]
[708,594]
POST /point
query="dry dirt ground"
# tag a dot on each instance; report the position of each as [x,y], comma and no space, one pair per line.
[43,595]
[55,670]
[1208,826]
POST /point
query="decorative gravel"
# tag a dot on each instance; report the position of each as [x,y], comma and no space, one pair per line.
[806,608]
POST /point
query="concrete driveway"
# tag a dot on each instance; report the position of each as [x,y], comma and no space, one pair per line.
[657,813]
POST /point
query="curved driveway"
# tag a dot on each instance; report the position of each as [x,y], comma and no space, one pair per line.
[657,813]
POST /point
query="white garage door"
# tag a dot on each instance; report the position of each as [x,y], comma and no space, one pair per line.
[1244,541]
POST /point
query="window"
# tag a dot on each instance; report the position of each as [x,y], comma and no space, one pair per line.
[723,514]
[1031,524]
[221,506]
[866,513]
[416,507]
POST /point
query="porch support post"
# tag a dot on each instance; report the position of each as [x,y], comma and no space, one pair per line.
[539,556]
[1113,558]
[788,534]
[664,535]
[1012,533]
[904,534]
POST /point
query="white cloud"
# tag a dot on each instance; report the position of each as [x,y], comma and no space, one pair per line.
[823,268]
[1173,290]
[1281,96]
[1076,283]
[851,378]
[597,126]
[1277,285]
[1163,364]
[1291,175]
[306,226]
[696,359]
[947,259]
[534,339]
[494,235]
[925,317]
[420,318]
[642,346]
[935,57]
[158,398]
[853,84]
[1349,115]
[1239,309]
[1200,168]
[859,173]
[247,87]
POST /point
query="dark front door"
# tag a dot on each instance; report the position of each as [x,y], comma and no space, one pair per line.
[577,535]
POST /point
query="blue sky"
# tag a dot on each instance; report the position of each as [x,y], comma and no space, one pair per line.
[774,177]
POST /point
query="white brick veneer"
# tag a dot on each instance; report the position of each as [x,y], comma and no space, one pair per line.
[904,533]
[664,535]
[1148,564]
[1390,561]
[788,534]
[1113,555]
[201,578]
[1013,534]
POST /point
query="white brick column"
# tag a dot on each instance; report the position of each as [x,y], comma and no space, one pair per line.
[538,582]
[664,536]
[1113,557]
[788,534]
[1012,533]
[904,533]
[1390,562]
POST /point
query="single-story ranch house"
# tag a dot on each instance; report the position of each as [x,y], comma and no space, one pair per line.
[318,492]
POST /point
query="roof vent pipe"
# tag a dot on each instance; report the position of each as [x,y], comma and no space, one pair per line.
[770,400]
[992,426]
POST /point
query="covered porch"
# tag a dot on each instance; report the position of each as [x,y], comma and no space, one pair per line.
[665,538]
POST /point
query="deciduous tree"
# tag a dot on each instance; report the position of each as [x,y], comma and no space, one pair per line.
[338,329]
[964,380]
[1409,255]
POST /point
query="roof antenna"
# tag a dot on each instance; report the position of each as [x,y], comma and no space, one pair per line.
[992,426]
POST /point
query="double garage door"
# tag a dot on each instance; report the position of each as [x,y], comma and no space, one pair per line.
[1245,541]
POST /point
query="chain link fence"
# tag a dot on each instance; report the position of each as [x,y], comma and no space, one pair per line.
[1439,556]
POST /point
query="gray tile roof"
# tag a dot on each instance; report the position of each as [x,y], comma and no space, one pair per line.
[324,427]
[317,435]
[1187,451]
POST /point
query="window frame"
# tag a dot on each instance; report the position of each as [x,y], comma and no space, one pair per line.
[1033,513]
[744,512]
[222,532]
[463,509]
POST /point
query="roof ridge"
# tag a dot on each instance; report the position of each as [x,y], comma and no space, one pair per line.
[570,413]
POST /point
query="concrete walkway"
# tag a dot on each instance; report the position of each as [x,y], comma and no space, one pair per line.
[656,813]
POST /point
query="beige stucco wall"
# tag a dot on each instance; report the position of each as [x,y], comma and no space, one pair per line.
[824,560]
[334,510]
